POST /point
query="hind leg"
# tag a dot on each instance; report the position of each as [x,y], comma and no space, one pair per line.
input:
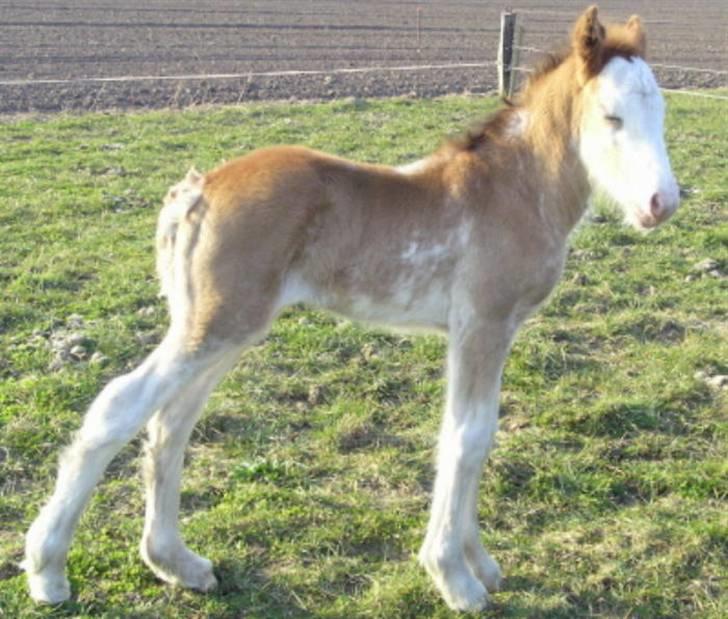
[113,419]
[169,430]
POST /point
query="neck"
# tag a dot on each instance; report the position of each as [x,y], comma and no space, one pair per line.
[551,108]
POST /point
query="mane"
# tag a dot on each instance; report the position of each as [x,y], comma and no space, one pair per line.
[544,67]
[491,130]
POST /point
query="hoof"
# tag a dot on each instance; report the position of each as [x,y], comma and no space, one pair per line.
[180,566]
[486,569]
[460,590]
[205,582]
[48,588]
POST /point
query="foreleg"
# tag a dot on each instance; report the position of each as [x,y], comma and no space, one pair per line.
[452,553]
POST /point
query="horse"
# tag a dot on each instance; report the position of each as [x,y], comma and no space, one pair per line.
[468,242]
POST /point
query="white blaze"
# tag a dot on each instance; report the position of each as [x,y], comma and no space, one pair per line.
[622,143]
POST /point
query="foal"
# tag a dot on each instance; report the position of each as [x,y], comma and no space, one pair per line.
[468,241]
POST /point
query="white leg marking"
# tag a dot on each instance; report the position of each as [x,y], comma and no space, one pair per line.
[452,553]
[113,419]
[484,567]
[169,430]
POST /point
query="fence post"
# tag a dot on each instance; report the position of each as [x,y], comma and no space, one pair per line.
[516,57]
[505,52]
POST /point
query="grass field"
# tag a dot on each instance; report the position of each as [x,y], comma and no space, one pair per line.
[309,476]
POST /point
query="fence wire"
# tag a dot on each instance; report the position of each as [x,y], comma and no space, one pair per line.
[538,50]
[250,74]
[306,40]
[532,49]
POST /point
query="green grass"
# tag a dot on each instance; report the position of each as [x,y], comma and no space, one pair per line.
[309,476]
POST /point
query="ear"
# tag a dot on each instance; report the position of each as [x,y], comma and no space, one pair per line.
[637,32]
[587,41]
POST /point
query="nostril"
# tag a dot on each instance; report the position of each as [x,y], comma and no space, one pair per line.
[656,205]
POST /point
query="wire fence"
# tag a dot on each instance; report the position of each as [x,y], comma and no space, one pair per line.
[707,95]
[325,72]
[538,50]
[144,55]
[665,70]
[251,74]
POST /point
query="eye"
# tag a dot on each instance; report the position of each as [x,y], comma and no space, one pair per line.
[615,121]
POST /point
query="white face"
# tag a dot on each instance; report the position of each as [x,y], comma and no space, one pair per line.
[622,143]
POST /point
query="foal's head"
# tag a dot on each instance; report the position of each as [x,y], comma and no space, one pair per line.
[620,126]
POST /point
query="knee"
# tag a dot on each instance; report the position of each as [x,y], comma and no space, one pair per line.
[105,432]
[472,442]
[114,415]
[114,397]
[116,390]
[479,436]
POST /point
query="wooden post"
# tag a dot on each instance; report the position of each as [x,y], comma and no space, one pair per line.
[505,52]
[516,59]
[419,29]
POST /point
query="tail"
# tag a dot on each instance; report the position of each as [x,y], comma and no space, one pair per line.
[179,201]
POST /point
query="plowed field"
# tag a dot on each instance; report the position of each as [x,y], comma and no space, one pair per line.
[75,40]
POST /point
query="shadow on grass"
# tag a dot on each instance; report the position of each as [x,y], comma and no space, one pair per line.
[527,595]
[629,419]
[245,590]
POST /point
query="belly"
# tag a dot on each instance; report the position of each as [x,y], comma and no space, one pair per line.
[412,305]
[411,301]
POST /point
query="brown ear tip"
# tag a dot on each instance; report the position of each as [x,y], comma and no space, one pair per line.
[634,21]
[592,12]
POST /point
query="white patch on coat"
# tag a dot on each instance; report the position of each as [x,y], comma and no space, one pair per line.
[415,305]
[414,167]
[178,202]
[295,289]
[421,252]
[517,125]
[417,254]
